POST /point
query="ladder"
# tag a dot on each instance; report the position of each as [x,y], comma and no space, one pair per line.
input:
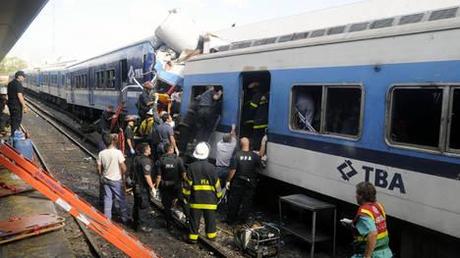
[71,203]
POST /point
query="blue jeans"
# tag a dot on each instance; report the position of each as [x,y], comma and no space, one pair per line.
[113,190]
[222,173]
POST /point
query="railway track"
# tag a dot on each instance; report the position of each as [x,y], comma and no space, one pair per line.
[75,136]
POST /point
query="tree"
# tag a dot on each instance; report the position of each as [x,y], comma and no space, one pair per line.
[11,64]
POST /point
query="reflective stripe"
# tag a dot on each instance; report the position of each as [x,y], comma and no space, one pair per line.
[254,105]
[190,182]
[217,185]
[219,194]
[203,188]
[186,192]
[260,126]
[203,206]
[249,122]
[382,235]
[211,235]
[368,213]
[193,236]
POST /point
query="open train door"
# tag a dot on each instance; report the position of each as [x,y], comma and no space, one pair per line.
[254,106]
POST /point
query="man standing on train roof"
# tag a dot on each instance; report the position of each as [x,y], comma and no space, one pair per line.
[16,101]
[206,116]
[369,225]
[170,173]
[143,186]
[145,101]
[202,191]
[242,177]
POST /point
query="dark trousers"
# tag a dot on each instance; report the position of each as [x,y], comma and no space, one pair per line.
[168,194]
[15,118]
[240,200]
[204,123]
[209,220]
[141,202]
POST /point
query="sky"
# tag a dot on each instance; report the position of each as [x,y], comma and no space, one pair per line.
[79,29]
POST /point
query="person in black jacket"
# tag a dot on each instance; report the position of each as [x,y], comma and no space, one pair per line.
[203,190]
[16,103]
[243,176]
[143,185]
[171,171]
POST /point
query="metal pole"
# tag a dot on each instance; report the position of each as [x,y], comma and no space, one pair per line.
[313,235]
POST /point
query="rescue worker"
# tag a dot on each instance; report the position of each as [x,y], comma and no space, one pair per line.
[203,190]
[171,171]
[260,105]
[248,111]
[146,126]
[166,133]
[143,186]
[16,102]
[187,126]
[4,118]
[105,122]
[145,101]
[206,115]
[130,150]
[243,179]
[369,225]
[224,151]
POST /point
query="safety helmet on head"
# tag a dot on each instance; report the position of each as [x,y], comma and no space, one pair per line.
[150,113]
[131,118]
[201,150]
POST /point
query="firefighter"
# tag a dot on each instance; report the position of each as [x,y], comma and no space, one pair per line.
[369,225]
[260,105]
[171,171]
[145,101]
[243,175]
[203,190]
[143,186]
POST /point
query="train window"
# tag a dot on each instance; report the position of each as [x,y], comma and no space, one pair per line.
[306,108]
[111,79]
[415,116]
[327,109]
[343,110]
[454,135]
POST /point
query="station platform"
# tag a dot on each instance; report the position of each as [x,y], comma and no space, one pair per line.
[31,202]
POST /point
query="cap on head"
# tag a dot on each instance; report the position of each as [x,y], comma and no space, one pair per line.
[201,151]
[19,73]
[148,85]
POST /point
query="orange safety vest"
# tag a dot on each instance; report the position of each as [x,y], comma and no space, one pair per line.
[375,211]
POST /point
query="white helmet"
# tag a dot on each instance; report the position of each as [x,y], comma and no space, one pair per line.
[150,112]
[201,151]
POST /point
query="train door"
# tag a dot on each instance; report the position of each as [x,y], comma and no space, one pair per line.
[89,86]
[254,101]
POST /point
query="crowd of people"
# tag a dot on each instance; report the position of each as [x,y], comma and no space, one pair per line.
[144,155]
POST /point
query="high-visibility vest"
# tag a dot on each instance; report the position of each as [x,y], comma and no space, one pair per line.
[202,186]
[146,127]
[376,212]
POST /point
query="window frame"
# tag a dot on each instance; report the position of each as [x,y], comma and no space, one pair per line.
[448,149]
[192,98]
[441,148]
[322,127]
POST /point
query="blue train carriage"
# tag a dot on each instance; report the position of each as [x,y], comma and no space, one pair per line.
[52,86]
[32,82]
[97,82]
[383,97]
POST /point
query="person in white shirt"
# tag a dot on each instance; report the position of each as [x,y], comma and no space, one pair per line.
[225,149]
[111,167]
